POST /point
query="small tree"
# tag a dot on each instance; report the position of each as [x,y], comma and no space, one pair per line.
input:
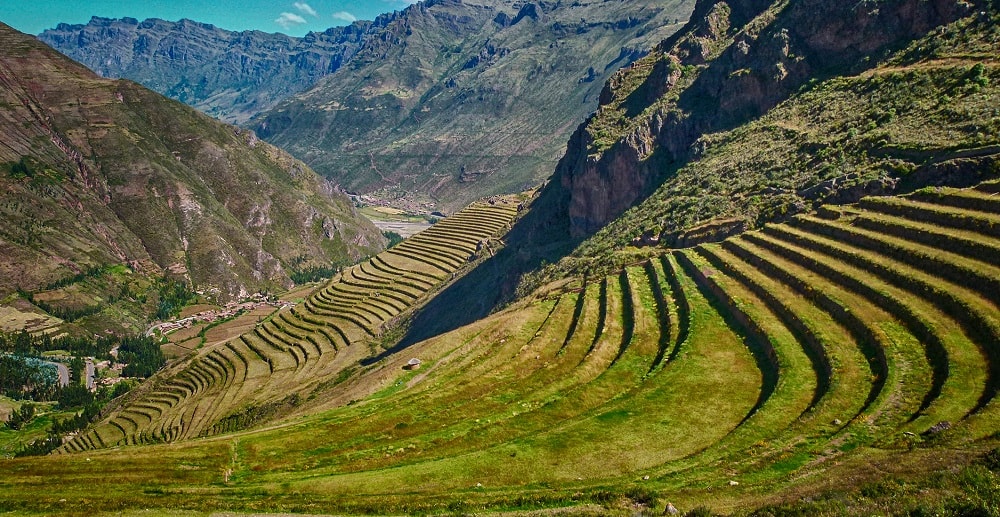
[21,417]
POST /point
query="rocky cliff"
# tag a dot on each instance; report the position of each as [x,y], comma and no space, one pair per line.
[229,75]
[97,172]
[734,61]
[452,100]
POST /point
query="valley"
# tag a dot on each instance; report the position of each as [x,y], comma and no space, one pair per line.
[761,278]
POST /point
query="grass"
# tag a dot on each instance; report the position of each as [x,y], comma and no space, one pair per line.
[806,368]
[353,309]
[12,441]
[786,360]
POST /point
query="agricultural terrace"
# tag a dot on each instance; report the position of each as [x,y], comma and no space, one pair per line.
[864,333]
[273,367]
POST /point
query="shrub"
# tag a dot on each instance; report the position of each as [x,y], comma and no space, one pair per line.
[393,238]
[992,460]
[40,447]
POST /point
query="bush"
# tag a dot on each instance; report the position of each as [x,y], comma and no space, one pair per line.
[393,238]
[21,169]
[991,460]
[40,447]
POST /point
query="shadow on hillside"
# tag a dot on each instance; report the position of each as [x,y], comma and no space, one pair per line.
[541,236]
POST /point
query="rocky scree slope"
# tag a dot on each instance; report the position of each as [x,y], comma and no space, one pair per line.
[96,172]
[449,101]
[229,75]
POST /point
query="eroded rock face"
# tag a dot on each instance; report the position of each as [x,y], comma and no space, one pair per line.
[733,61]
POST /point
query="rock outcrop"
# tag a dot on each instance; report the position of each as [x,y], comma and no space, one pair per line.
[735,60]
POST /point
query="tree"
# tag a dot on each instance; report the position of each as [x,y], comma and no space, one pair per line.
[75,395]
[21,417]
[76,370]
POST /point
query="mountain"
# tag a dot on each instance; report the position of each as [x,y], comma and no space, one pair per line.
[754,112]
[760,110]
[838,361]
[453,100]
[97,172]
[229,75]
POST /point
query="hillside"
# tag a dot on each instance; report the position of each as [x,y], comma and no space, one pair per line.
[687,148]
[837,364]
[301,354]
[749,289]
[99,173]
[454,100]
[229,75]
[700,140]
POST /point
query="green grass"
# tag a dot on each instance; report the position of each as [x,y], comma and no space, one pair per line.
[807,367]
[354,309]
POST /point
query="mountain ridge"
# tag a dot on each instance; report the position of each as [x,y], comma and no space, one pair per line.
[99,172]
[443,108]
[230,75]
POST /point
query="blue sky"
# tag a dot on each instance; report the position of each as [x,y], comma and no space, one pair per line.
[294,17]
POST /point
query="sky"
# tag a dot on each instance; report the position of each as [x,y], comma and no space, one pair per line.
[292,17]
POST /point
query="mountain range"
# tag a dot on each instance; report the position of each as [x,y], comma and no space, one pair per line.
[761,279]
[433,106]
[229,75]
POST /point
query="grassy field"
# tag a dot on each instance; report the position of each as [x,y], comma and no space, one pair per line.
[814,367]
[12,319]
[13,441]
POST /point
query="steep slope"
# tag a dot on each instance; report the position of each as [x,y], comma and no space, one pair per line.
[738,60]
[294,355]
[855,349]
[841,362]
[98,172]
[757,112]
[453,100]
[229,75]
[698,140]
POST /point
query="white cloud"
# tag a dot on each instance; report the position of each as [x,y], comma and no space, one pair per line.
[344,16]
[288,20]
[305,8]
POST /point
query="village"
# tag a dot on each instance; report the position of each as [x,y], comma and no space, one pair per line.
[227,311]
